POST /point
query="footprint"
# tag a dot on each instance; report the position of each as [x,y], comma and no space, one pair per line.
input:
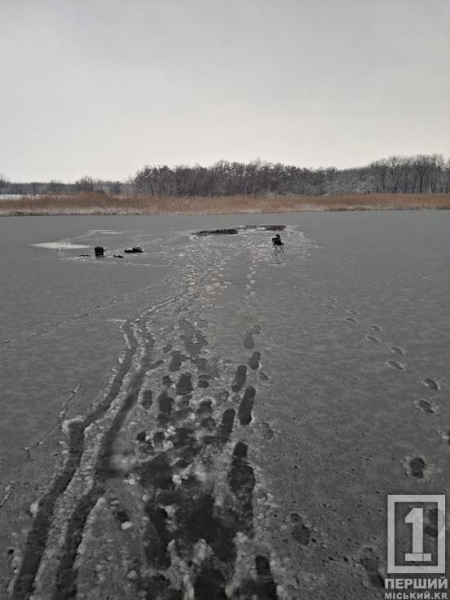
[352,312]
[398,351]
[145,445]
[210,583]
[266,430]
[300,532]
[370,562]
[249,342]
[351,319]
[147,398]
[330,306]
[372,338]
[241,479]
[263,376]
[265,585]
[246,406]
[200,363]
[239,378]
[426,407]
[222,397]
[158,438]
[176,360]
[183,409]
[431,384]
[253,362]
[208,423]
[141,436]
[184,385]
[165,407]
[395,365]
[157,536]
[189,335]
[166,381]
[205,407]
[375,328]
[416,467]
[185,441]
[226,426]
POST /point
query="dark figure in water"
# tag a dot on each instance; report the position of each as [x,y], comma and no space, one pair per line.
[277,243]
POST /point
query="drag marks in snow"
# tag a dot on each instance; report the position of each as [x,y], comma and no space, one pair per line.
[162,459]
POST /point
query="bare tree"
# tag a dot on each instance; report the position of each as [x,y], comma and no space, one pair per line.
[85,184]
[394,175]
[380,173]
[397,166]
[55,187]
[4,182]
[422,165]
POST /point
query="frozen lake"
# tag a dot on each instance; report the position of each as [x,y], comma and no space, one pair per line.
[207,418]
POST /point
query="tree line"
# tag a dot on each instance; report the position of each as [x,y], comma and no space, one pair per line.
[423,173]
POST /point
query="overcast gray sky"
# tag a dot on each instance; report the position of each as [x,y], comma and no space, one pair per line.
[102,87]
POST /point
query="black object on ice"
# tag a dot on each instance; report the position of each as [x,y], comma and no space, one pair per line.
[277,243]
[217,232]
[99,251]
[274,227]
[135,250]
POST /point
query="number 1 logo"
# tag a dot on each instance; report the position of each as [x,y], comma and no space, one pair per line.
[415,519]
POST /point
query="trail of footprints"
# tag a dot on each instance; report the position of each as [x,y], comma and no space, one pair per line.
[183,508]
[186,517]
[415,466]
[159,489]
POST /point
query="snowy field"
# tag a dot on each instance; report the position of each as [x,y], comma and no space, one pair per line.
[208,420]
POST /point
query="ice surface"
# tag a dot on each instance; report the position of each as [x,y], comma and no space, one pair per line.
[239,418]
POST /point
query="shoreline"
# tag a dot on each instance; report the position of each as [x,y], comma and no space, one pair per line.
[101,204]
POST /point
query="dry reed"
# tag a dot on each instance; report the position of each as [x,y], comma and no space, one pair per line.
[103,204]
